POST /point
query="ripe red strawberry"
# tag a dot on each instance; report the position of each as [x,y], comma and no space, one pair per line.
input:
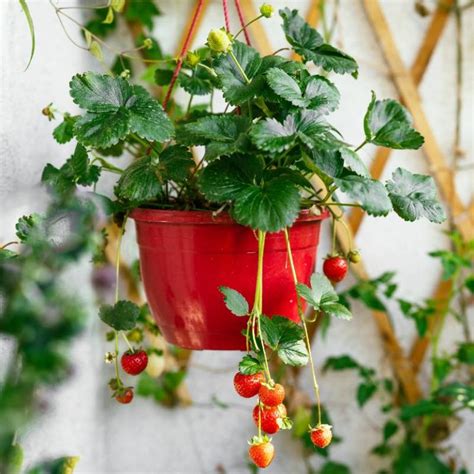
[269,417]
[335,268]
[271,395]
[134,362]
[247,386]
[124,395]
[261,451]
[321,436]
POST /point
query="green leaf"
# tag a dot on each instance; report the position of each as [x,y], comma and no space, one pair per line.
[139,182]
[235,87]
[353,162]
[306,126]
[413,459]
[234,301]
[424,407]
[270,206]
[465,353]
[176,163]
[469,283]
[121,317]
[56,180]
[63,465]
[322,297]
[79,169]
[309,44]
[201,82]
[451,262]
[147,117]
[143,11]
[365,391]
[285,337]
[321,291]
[102,130]
[64,132]
[457,391]
[221,134]
[299,34]
[31,27]
[414,196]
[114,109]
[26,226]
[333,59]
[336,310]
[6,254]
[320,94]
[342,362]
[163,76]
[285,86]
[250,365]
[332,467]
[387,123]
[369,193]
[441,368]
[327,160]
[223,179]
[99,93]
[389,429]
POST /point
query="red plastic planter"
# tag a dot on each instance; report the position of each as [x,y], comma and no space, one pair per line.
[186,255]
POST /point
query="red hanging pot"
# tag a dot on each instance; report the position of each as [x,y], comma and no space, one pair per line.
[186,255]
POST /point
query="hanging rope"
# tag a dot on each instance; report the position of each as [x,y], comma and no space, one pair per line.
[242,21]
[226,14]
[183,52]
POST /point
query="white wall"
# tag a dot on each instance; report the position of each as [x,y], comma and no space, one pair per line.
[144,437]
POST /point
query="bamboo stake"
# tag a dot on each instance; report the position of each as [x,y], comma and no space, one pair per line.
[418,69]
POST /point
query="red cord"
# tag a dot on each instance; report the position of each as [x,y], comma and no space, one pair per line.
[242,21]
[184,50]
[226,15]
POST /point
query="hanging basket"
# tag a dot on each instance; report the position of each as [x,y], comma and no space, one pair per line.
[185,256]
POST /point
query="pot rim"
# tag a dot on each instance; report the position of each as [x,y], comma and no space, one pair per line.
[174,216]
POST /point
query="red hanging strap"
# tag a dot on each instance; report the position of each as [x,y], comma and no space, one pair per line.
[226,15]
[242,21]
[183,52]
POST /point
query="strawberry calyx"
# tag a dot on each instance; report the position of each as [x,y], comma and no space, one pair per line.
[258,440]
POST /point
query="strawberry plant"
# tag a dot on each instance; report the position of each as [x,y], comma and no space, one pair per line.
[270,157]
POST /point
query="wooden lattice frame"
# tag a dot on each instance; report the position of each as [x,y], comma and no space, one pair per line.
[406,82]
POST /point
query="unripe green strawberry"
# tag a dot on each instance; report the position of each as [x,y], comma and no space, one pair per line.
[266,10]
[219,41]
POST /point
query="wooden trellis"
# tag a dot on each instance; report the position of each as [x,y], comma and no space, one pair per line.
[406,81]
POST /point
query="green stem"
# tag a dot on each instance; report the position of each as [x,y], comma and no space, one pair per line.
[125,338]
[257,308]
[107,166]
[239,67]
[361,145]
[247,25]
[117,373]
[305,328]
[345,204]
[191,97]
